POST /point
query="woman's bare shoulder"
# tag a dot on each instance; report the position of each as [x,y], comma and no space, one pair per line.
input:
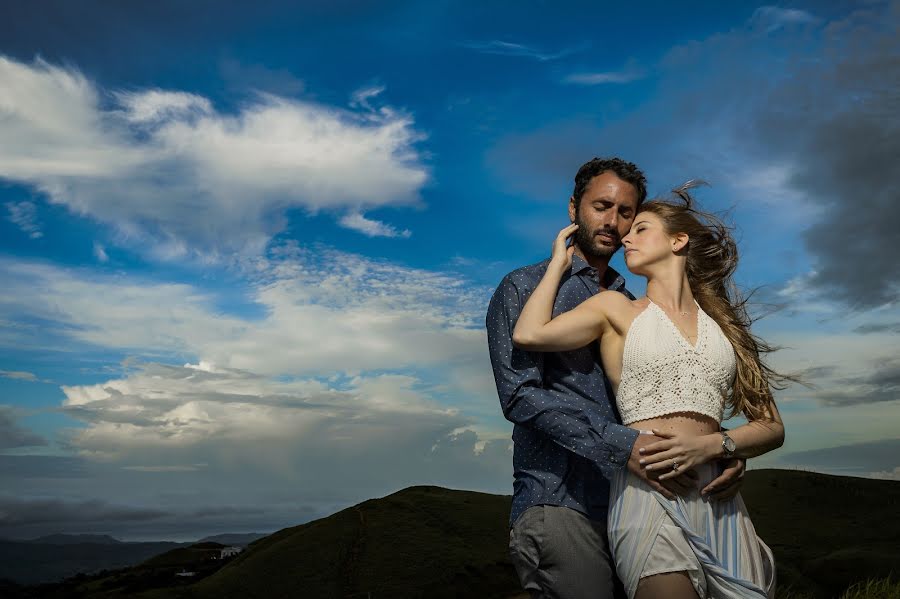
[618,308]
[613,300]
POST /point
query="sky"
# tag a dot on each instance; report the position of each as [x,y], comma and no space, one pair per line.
[247,249]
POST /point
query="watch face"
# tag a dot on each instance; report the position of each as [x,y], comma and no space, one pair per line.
[729,444]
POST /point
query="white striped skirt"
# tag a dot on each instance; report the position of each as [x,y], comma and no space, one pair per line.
[712,541]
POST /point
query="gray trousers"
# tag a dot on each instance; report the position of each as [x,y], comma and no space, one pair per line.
[559,553]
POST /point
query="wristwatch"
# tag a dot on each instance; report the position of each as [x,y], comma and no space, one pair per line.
[727,444]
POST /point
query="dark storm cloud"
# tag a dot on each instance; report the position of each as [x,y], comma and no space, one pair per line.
[15,468]
[879,385]
[13,435]
[875,327]
[32,517]
[16,512]
[836,122]
[817,102]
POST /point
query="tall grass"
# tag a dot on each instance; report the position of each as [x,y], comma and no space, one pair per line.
[884,588]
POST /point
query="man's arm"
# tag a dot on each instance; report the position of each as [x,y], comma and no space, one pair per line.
[569,420]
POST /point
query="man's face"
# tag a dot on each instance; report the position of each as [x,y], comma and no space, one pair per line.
[604,215]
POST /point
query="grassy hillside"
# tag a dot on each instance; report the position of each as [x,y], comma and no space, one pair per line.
[827,532]
[426,541]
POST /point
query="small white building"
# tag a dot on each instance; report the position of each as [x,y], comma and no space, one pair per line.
[229,551]
[183,573]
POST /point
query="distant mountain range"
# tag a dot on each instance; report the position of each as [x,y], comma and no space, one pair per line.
[65,539]
[234,538]
[54,557]
[826,532]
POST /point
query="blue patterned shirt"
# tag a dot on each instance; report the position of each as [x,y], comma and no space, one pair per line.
[567,434]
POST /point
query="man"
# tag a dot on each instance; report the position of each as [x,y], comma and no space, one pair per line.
[567,435]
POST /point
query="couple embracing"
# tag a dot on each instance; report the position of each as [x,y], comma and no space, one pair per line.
[625,483]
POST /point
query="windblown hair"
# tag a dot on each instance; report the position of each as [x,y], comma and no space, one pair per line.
[712,258]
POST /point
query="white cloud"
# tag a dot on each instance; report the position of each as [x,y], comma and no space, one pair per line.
[378,432]
[504,48]
[772,18]
[599,78]
[158,106]
[24,215]
[177,178]
[362,96]
[372,228]
[18,375]
[887,474]
[322,311]
[352,378]
[100,252]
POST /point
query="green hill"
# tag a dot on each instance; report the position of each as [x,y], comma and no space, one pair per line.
[827,532]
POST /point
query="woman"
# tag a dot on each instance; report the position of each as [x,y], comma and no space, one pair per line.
[675,358]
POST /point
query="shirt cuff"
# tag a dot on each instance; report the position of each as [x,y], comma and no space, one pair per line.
[618,448]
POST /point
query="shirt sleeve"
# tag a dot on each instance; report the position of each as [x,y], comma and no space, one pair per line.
[568,419]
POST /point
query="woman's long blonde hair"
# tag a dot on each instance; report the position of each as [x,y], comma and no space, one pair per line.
[712,258]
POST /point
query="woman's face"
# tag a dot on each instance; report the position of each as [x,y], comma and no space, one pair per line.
[646,243]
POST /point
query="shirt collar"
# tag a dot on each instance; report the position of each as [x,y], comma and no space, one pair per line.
[612,277]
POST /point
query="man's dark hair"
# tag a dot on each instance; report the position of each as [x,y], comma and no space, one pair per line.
[627,171]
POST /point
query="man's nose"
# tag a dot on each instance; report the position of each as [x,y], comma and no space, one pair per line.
[614,220]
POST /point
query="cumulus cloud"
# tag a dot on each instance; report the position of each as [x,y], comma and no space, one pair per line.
[251,440]
[350,374]
[163,410]
[173,175]
[314,310]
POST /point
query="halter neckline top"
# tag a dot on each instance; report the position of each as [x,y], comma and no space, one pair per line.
[662,373]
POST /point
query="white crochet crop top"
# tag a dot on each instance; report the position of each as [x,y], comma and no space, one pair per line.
[663,373]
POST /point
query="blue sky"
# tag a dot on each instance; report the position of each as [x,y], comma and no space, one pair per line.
[247,251]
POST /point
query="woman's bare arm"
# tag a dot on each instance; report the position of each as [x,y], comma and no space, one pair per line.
[752,439]
[536,330]
[756,437]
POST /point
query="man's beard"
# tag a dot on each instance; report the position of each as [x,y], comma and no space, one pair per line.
[590,245]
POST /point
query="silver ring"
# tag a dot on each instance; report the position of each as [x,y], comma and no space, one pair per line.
[674,465]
